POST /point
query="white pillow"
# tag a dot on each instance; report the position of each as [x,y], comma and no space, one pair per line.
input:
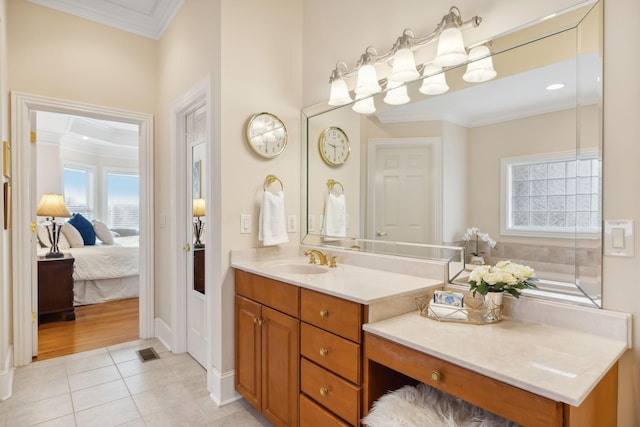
[43,235]
[103,232]
[73,236]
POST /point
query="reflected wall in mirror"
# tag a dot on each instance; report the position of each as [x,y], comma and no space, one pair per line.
[510,156]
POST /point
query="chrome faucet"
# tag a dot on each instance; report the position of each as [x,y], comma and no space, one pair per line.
[312,256]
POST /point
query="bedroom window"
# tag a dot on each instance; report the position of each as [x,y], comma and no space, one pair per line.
[78,190]
[551,195]
[123,200]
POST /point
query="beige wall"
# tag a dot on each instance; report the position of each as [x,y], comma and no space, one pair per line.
[5,254]
[63,56]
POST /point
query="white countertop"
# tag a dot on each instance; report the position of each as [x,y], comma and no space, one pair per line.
[560,364]
[358,284]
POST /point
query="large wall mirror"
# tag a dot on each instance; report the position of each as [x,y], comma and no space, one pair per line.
[510,156]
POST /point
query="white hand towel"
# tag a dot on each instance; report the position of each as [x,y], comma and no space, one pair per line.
[335,216]
[272,229]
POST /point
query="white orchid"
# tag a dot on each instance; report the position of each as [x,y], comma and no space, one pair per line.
[475,231]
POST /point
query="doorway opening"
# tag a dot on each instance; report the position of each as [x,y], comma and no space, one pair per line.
[78,164]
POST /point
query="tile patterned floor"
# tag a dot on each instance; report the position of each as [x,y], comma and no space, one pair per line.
[112,387]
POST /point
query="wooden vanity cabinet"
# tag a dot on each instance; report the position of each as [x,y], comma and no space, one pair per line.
[389,365]
[267,349]
[331,360]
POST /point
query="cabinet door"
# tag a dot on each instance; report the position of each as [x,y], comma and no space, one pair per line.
[247,356]
[280,367]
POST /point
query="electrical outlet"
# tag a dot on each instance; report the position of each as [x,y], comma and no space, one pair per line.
[292,224]
[245,223]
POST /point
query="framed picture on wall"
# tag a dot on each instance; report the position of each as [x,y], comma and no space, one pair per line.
[6,159]
[197,177]
[7,205]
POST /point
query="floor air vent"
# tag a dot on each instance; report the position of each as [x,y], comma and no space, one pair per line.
[147,354]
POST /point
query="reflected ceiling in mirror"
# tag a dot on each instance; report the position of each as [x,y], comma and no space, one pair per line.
[424,172]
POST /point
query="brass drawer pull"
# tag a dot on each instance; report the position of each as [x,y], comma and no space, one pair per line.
[258,321]
[324,313]
[324,352]
[436,376]
[324,391]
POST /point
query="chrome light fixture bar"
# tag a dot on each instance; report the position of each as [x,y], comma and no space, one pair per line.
[450,52]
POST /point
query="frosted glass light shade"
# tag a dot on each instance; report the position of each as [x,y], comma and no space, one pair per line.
[481,69]
[404,66]
[397,94]
[365,106]
[451,50]
[367,81]
[339,93]
[434,82]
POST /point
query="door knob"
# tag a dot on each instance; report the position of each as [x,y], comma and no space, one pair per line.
[187,247]
[381,233]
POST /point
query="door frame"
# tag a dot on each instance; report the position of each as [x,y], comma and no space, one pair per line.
[435,144]
[24,258]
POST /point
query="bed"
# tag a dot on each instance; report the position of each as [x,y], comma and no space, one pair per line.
[105,272]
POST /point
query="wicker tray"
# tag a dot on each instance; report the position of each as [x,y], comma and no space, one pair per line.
[473,311]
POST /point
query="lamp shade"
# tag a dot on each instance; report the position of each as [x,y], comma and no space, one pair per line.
[481,68]
[396,94]
[404,66]
[434,82]
[198,207]
[364,106]
[367,83]
[339,93]
[52,205]
[451,50]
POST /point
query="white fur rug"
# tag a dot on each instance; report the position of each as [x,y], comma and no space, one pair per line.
[423,406]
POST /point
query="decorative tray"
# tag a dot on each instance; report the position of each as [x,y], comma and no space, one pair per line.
[473,311]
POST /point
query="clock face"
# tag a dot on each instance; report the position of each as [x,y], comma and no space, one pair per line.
[334,146]
[267,135]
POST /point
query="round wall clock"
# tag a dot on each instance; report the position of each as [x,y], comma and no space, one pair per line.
[266,135]
[334,146]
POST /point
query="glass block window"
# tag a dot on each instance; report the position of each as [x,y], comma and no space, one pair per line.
[552,194]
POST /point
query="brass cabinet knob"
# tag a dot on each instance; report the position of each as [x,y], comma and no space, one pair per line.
[324,313]
[324,352]
[258,321]
[436,376]
[324,391]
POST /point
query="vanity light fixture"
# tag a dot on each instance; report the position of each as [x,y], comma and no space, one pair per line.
[555,86]
[450,53]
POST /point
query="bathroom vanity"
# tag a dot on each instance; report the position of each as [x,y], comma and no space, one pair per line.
[317,346]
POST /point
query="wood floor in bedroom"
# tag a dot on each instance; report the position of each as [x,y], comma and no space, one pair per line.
[96,326]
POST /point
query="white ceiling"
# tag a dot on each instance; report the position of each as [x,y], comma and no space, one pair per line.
[148,18]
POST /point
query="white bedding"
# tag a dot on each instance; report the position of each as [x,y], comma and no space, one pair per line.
[105,261]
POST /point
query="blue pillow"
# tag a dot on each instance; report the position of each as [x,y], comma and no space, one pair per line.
[85,227]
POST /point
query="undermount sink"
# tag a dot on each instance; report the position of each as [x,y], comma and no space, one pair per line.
[297,268]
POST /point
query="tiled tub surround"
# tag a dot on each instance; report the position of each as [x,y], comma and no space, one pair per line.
[552,349]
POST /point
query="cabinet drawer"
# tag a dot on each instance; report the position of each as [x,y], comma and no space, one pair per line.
[332,314]
[334,393]
[332,352]
[277,295]
[314,415]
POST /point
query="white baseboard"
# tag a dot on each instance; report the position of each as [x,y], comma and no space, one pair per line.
[163,332]
[6,376]
[222,387]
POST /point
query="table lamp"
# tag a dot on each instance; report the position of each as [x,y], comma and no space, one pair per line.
[52,206]
[198,225]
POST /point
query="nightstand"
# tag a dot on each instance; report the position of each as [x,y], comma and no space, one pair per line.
[55,286]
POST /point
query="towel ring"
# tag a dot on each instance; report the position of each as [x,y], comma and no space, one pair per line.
[270,179]
[332,182]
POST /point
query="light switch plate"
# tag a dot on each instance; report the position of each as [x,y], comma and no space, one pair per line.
[311,223]
[618,238]
[292,224]
[245,223]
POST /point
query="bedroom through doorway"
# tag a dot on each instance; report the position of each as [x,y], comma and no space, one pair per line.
[94,165]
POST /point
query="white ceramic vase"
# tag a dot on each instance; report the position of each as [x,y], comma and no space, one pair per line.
[493,306]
